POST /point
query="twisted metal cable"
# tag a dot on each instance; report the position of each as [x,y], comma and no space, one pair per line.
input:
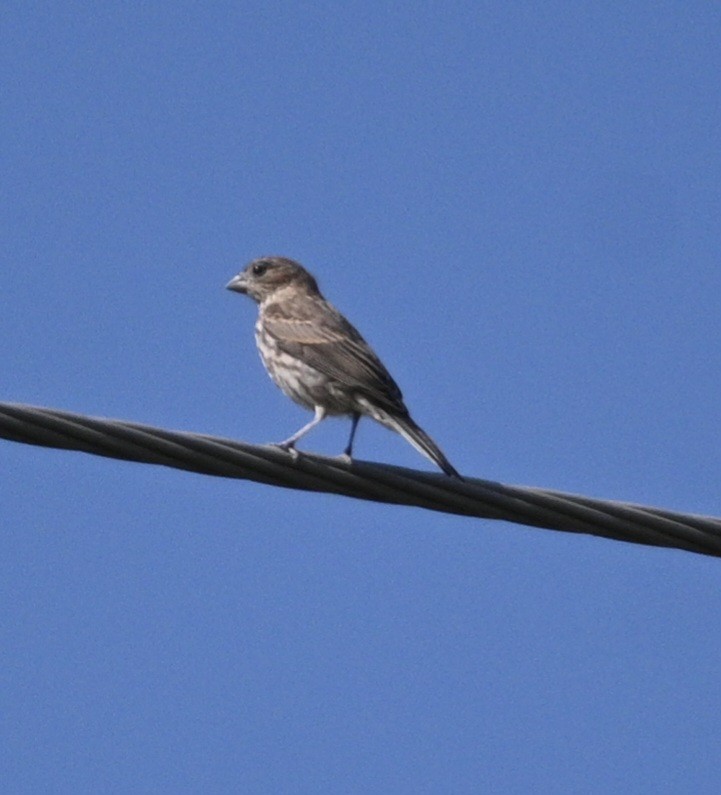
[211,455]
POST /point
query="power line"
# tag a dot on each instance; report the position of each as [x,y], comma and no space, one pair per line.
[211,455]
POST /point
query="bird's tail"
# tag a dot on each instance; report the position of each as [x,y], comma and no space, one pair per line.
[416,436]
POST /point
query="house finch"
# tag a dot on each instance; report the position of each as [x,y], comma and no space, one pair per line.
[319,359]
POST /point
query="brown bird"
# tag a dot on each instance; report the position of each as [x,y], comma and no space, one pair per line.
[319,359]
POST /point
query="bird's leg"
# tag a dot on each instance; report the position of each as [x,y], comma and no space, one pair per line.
[289,443]
[348,452]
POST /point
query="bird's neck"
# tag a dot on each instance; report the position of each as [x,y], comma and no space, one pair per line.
[276,297]
[284,295]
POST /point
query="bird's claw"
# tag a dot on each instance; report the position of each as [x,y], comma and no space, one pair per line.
[289,447]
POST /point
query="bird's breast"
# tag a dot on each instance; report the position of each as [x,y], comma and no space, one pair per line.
[298,380]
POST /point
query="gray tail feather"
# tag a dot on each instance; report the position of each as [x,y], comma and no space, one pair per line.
[416,436]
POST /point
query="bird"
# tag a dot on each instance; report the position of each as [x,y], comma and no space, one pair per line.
[321,361]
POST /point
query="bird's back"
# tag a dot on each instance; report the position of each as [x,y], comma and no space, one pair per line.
[313,331]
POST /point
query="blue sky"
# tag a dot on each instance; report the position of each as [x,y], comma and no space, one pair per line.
[518,206]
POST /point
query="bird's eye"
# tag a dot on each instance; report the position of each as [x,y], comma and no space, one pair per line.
[259,268]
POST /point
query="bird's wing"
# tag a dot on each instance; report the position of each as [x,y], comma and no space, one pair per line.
[317,334]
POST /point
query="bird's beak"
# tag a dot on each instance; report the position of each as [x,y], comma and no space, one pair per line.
[238,284]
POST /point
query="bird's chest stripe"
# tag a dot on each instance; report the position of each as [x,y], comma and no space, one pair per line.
[302,383]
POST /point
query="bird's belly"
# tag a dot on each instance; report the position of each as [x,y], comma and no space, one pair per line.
[301,382]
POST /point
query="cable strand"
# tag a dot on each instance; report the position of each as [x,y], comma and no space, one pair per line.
[219,457]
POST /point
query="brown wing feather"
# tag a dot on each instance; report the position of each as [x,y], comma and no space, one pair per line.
[315,332]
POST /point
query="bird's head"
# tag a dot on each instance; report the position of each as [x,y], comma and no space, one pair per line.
[264,276]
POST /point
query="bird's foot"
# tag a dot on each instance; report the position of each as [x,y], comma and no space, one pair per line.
[345,457]
[289,446]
